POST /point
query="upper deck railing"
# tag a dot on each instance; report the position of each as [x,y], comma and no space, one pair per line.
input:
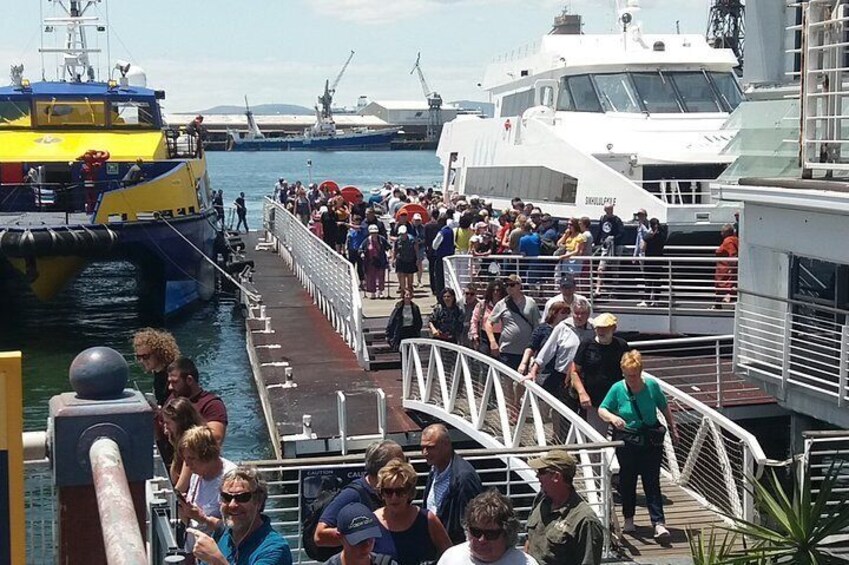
[329,278]
[670,286]
[798,348]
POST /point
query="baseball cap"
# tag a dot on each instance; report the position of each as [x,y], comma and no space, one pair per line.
[403,213]
[605,321]
[480,225]
[514,279]
[357,523]
[483,213]
[401,230]
[373,228]
[568,281]
[558,459]
[417,216]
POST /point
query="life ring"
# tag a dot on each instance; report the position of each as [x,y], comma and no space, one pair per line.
[507,125]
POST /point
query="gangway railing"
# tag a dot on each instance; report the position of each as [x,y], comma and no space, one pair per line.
[293,484]
[330,279]
[657,285]
[703,367]
[827,452]
[712,462]
[797,347]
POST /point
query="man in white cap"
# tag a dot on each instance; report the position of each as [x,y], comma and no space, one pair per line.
[596,368]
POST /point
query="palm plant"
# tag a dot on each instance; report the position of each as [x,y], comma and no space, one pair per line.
[802,529]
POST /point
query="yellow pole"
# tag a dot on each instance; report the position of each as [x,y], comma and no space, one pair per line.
[12,534]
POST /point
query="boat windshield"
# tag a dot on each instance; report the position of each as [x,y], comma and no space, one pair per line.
[70,112]
[14,113]
[136,114]
[654,92]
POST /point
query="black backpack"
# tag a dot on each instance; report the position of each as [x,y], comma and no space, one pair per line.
[328,492]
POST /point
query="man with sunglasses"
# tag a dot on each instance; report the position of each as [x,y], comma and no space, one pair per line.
[248,536]
[562,528]
[492,531]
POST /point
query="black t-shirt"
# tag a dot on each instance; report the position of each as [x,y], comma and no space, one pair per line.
[599,366]
[160,386]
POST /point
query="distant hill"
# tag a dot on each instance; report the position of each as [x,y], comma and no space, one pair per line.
[261,110]
[486,108]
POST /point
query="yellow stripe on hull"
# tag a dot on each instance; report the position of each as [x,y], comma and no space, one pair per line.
[65,146]
[51,273]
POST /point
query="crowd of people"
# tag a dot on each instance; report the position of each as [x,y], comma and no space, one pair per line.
[373,520]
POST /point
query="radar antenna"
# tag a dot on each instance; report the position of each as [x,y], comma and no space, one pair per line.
[434,102]
[74,56]
[726,27]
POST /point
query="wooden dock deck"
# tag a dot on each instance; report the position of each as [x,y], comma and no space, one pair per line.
[322,364]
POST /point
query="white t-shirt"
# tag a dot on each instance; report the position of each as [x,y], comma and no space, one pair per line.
[555,299]
[204,494]
[461,555]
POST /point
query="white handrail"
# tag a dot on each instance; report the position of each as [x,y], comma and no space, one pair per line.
[329,277]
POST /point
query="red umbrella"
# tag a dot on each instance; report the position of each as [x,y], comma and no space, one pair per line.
[351,194]
[412,209]
[329,186]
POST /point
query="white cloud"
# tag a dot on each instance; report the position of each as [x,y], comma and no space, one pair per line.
[382,12]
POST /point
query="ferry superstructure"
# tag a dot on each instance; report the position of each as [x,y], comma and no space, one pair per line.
[88,171]
[581,120]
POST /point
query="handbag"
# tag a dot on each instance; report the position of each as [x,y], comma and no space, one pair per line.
[652,436]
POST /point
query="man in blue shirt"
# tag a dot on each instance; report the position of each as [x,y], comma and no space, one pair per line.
[248,537]
[529,246]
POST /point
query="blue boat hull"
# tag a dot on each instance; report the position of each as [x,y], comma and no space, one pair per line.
[377,140]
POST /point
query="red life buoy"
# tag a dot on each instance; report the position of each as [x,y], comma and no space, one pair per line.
[507,125]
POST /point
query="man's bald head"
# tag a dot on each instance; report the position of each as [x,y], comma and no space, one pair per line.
[436,446]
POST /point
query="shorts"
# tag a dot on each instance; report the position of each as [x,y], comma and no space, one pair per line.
[406,267]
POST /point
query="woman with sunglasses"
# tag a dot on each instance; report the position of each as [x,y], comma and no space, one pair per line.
[178,416]
[416,534]
[492,531]
[446,320]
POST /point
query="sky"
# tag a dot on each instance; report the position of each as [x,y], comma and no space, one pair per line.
[205,53]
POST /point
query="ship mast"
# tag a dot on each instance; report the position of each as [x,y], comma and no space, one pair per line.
[74,56]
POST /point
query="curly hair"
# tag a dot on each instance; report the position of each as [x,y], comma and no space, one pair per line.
[492,507]
[160,342]
[398,471]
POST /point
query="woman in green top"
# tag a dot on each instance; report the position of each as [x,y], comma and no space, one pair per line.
[632,405]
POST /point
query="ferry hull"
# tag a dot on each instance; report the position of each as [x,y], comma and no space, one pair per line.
[378,140]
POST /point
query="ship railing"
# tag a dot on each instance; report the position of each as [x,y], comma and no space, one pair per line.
[827,452]
[329,277]
[651,285]
[679,191]
[795,346]
[180,144]
[702,367]
[40,500]
[824,24]
[68,197]
[294,484]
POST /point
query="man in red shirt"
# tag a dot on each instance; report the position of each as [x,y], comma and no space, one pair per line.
[183,380]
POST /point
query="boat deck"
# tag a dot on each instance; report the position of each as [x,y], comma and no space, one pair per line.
[43,219]
[322,364]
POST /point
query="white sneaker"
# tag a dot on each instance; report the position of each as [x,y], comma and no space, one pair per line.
[629,527]
[661,534]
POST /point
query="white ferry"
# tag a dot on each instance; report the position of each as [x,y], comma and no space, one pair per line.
[583,120]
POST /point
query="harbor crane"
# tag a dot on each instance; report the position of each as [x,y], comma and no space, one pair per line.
[726,28]
[326,99]
[434,102]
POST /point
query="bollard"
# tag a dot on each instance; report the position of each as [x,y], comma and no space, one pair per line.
[102,413]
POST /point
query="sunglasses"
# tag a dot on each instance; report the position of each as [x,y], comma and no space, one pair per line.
[393,491]
[240,497]
[471,294]
[143,356]
[489,535]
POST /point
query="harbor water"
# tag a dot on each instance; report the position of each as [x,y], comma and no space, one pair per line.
[102,307]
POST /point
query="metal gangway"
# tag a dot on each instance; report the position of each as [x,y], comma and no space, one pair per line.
[706,473]
[686,293]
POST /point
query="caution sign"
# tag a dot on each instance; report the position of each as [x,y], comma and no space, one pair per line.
[12,536]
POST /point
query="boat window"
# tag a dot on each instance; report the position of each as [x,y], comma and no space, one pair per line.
[728,89]
[564,97]
[132,114]
[81,112]
[14,113]
[516,104]
[695,92]
[617,93]
[657,93]
[583,94]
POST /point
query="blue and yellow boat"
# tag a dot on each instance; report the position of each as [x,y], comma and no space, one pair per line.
[88,171]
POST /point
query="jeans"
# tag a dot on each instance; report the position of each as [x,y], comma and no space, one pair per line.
[643,461]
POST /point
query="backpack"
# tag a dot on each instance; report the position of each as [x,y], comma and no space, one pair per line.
[329,490]
[547,247]
[406,250]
